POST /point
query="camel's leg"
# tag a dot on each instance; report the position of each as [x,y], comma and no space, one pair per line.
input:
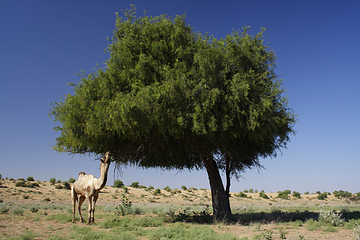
[74,198]
[81,200]
[93,207]
[90,207]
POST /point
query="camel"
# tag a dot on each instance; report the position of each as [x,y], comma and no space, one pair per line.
[87,186]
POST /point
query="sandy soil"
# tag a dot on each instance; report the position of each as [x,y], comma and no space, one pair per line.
[46,193]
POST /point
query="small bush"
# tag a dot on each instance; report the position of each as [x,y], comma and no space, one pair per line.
[342,194]
[30,179]
[149,188]
[246,191]
[168,189]
[118,184]
[331,217]
[322,196]
[241,194]
[3,208]
[66,185]
[22,183]
[72,180]
[125,208]
[262,194]
[157,192]
[183,187]
[297,195]
[52,180]
[175,191]
[58,186]
[135,184]
[284,194]
[251,190]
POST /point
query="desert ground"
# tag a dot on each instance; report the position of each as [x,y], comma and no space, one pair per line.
[43,211]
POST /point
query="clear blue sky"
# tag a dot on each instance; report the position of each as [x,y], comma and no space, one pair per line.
[44,43]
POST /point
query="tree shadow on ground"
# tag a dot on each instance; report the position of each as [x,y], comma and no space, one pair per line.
[262,217]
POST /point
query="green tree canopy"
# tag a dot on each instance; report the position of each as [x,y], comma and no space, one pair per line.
[172,98]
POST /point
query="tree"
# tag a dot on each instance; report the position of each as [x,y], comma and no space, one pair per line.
[171,98]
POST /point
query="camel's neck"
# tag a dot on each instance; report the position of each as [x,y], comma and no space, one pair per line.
[101,182]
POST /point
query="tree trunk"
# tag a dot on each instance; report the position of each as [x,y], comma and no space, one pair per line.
[228,178]
[220,200]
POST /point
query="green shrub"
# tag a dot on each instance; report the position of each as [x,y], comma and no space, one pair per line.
[322,196]
[52,180]
[262,194]
[157,191]
[331,217]
[30,179]
[66,185]
[125,208]
[72,180]
[118,184]
[183,187]
[246,191]
[3,208]
[58,186]
[135,184]
[241,194]
[22,183]
[284,194]
[149,188]
[251,190]
[168,189]
[342,194]
[296,194]
[175,191]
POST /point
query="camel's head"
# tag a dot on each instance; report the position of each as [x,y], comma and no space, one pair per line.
[106,158]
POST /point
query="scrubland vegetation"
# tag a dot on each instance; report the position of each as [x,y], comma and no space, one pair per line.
[140,212]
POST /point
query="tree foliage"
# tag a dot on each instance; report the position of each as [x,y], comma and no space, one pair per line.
[169,97]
